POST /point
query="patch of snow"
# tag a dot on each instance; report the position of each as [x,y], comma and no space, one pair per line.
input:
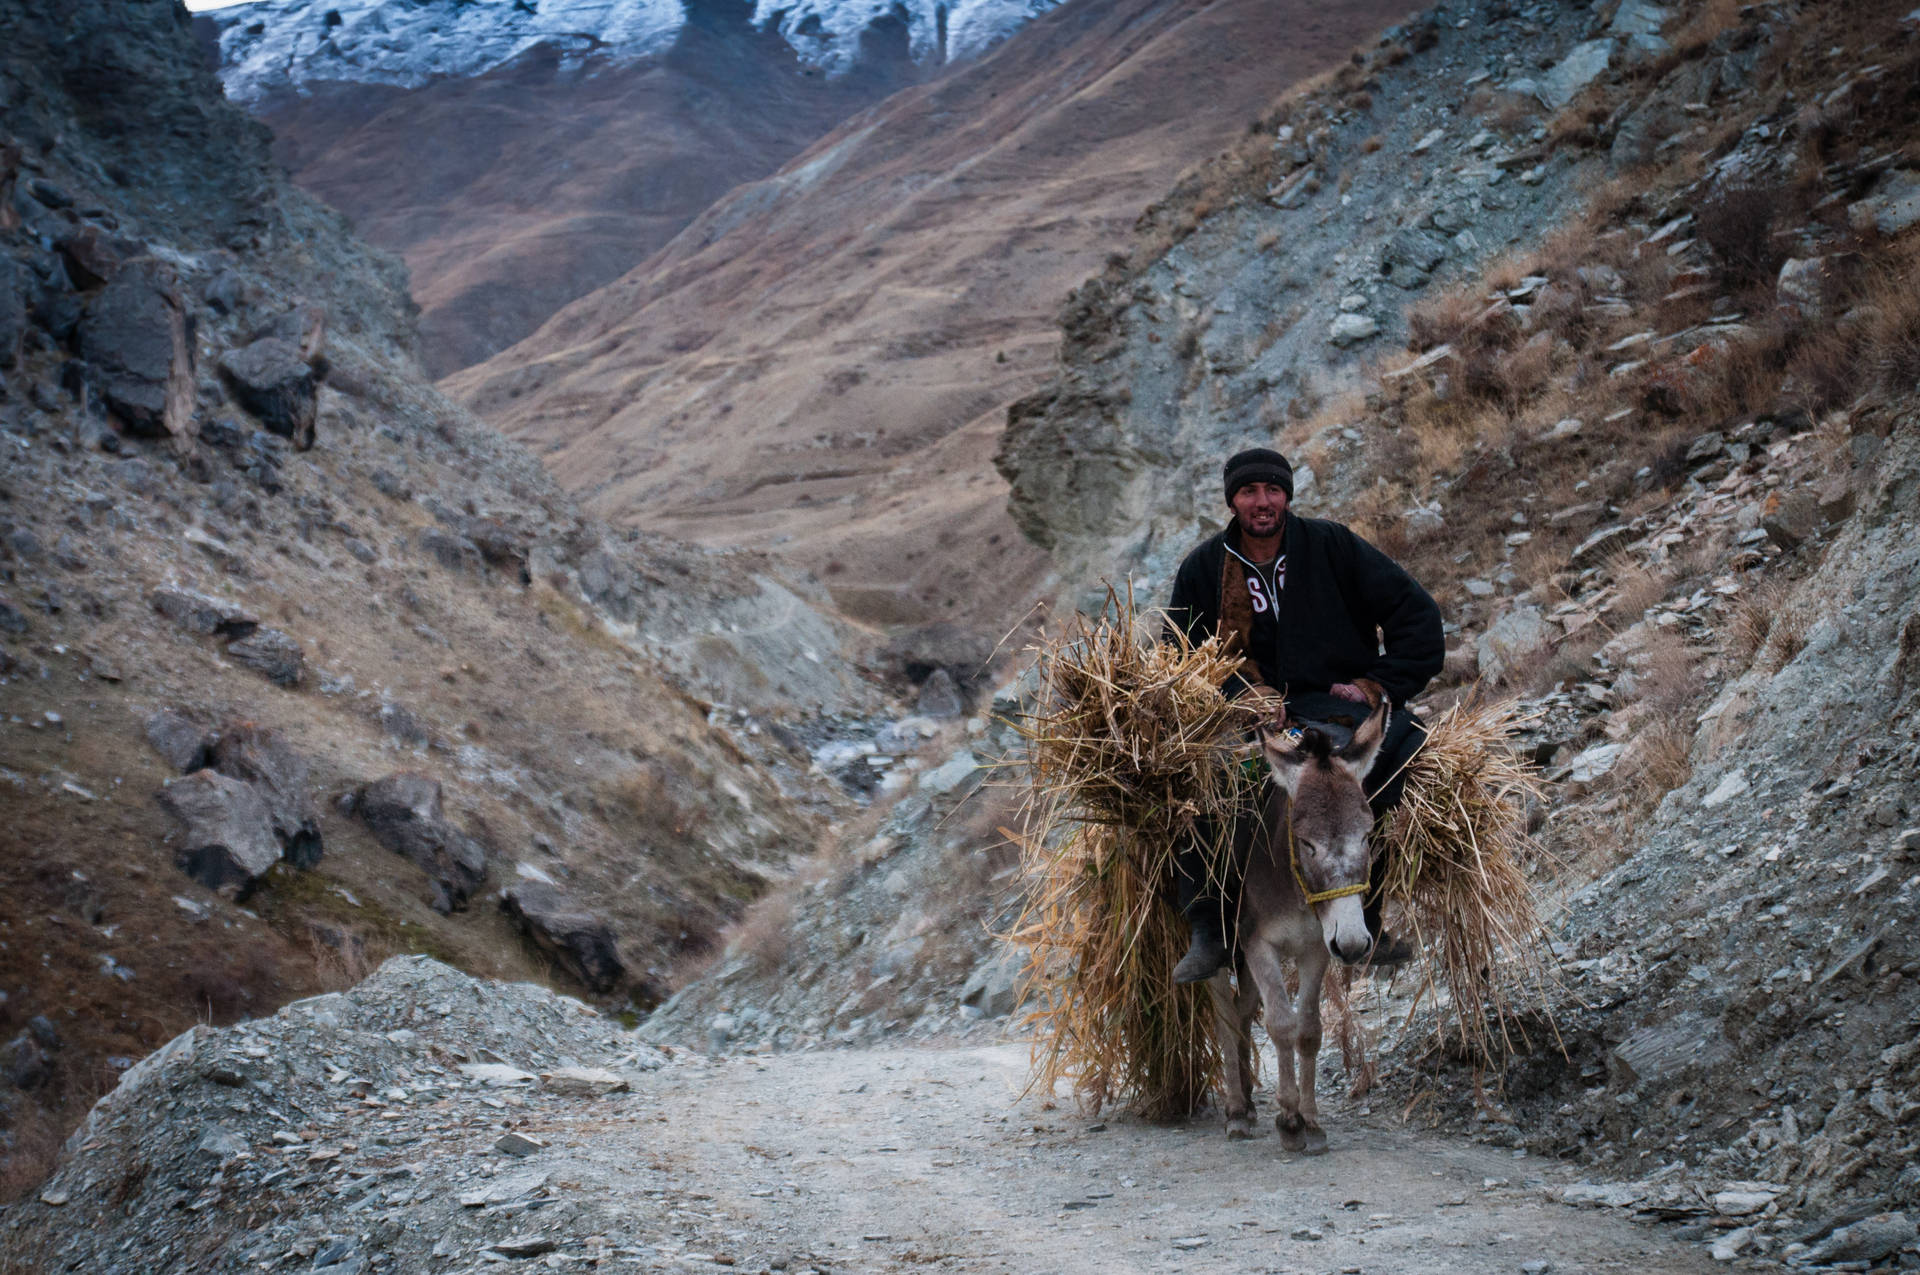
[277,44]
[280,43]
[827,33]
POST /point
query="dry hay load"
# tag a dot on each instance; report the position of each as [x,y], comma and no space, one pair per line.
[1131,743]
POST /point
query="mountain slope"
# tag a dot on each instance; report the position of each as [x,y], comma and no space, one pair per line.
[1615,346]
[823,356]
[300,664]
[537,178]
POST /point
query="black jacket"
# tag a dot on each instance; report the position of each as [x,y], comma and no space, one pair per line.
[1339,591]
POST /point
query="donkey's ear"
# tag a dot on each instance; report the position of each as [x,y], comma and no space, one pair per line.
[1358,756]
[1285,757]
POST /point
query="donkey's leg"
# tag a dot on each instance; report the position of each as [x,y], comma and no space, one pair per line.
[1249,1006]
[1282,1025]
[1230,1025]
[1313,974]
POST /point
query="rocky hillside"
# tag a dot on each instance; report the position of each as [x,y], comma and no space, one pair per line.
[299,664]
[1601,319]
[820,362]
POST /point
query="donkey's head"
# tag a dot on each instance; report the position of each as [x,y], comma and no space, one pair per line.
[1330,819]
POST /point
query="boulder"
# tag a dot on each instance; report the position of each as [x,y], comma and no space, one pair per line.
[495,542]
[263,758]
[225,292]
[1893,207]
[229,841]
[274,655]
[1583,64]
[580,941]
[1351,329]
[207,616]
[454,552]
[939,697]
[583,1082]
[137,340]
[916,653]
[404,812]
[1597,547]
[93,257]
[1638,23]
[994,989]
[26,1061]
[1802,286]
[1411,255]
[1637,140]
[304,328]
[1867,1240]
[1512,638]
[1790,516]
[273,382]
[185,746]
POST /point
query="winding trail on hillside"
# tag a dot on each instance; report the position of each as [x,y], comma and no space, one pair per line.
[898,1160]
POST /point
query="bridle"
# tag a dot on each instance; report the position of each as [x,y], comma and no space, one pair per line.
[1314,896]
[1255,769]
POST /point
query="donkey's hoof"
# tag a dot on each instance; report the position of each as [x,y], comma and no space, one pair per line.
[1313,1141]
[1293,1131]
[1240,1127]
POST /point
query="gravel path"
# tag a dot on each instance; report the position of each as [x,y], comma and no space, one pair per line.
[895,1160]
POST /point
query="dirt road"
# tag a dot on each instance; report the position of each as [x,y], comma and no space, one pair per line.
[898,1160]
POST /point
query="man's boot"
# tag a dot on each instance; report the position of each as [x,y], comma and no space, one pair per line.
[1388,951]
[1207,951]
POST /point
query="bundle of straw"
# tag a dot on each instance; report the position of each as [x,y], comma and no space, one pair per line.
[1457,850]
[1131,746]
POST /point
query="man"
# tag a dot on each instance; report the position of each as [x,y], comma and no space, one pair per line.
[1324,620]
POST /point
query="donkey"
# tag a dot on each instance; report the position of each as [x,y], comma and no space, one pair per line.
[1306,858]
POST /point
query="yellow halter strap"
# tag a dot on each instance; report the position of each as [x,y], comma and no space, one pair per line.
[1314,896]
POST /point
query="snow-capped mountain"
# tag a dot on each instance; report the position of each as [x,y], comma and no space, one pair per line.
[826,33]
[273,44]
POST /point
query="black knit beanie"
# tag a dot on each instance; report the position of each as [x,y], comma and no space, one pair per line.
[1258,465]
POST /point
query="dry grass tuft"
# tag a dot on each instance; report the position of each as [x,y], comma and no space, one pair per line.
[1658,760]
[1459,850]
[765,933]
[1637,585]
[1131,746]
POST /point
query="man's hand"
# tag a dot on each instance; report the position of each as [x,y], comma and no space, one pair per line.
[1267,702]
[1347,690]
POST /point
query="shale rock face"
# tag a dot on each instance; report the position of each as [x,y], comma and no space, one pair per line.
[406,817]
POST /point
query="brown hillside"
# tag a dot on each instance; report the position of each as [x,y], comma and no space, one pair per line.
[798,360]
[510,194]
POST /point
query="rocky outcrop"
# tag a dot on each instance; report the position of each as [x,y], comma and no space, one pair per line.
[405,814]
[185,746]
[138,342]
[263,758]
[207,616]
[581,942]
[272,654]
[277,385]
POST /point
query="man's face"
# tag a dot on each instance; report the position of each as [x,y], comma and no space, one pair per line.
[1260,507]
